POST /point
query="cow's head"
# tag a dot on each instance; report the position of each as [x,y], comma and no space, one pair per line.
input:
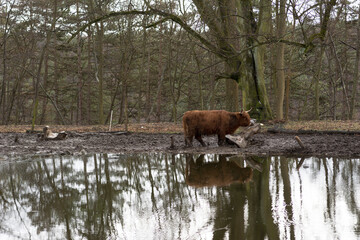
[244,118]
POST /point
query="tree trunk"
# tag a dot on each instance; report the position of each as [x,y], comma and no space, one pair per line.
[252,60]
[317,83]
[280,75]
[44,111]
[79,75]
[42,56]
[161,76]
[232,96]
[4,61]
[356,72]
[287,96]
[99,73]
[3,84]
[89,67]
[148,90]
[142,78]
[113,98]
[199,78]
[37,80]
[126,106]
[322,35]
[18,81]
[259,59]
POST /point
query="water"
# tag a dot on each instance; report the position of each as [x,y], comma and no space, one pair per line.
[160,196]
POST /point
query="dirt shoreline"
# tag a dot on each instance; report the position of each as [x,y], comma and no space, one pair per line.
[263,144]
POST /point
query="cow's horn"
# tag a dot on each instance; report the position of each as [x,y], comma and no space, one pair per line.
[248,110]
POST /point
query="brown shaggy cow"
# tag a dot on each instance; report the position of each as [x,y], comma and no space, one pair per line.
[222,173]
[220,122]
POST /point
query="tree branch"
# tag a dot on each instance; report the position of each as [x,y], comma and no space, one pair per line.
[346,44]
[220,52]
[107,16]
[167,16]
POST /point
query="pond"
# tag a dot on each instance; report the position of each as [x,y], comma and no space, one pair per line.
[165,196]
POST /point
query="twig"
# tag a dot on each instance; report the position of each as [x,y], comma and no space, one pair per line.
[299,142]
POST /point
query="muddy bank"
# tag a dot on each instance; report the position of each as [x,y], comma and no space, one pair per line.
[321,145]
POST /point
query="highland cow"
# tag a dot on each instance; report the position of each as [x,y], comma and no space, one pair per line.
[219,122]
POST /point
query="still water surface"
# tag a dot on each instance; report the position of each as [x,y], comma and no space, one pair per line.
[164,196]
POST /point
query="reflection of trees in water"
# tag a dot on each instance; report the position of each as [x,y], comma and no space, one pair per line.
[243,209]
[264,208]
[91,196]
[331,179]
[260,222]
[88,195]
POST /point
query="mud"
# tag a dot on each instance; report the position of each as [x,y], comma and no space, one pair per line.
[264,143]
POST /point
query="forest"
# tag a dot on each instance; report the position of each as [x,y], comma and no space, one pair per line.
[81,62]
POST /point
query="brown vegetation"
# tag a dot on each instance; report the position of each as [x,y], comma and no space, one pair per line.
[169,127]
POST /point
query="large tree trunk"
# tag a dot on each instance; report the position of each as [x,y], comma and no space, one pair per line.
[232,87]
[280,75]
[252,61]
[322,35]
[232,96]
[264,29]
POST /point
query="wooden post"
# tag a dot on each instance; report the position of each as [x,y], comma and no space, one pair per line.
[111,115]
[299,142]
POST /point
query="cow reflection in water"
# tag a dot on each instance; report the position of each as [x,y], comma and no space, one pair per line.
[222,173]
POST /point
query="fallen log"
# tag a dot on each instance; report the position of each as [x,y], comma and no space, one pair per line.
[250,131]
[49,135]
[289,131]
[83,134]
[240,141]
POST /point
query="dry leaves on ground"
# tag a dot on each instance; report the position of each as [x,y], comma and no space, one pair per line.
[167,127]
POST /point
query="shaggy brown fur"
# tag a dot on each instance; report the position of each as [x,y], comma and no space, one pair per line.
[222,173]
[219,122]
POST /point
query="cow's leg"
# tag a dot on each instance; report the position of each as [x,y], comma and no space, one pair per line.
[198,137]
[188,141]
[221,139]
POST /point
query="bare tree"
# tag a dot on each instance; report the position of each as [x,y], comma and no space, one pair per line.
[356,70]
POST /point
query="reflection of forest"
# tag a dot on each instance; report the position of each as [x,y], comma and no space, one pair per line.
[145,197]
